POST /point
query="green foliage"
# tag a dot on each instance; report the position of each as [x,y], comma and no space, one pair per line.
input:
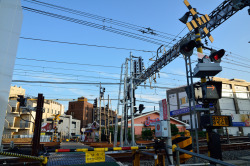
[201,134]
[147,134]
[174,130]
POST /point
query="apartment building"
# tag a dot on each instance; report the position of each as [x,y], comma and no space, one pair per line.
[235,102]
[107,114]
[81,110]
[20,120]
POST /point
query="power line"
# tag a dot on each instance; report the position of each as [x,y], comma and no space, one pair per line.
[67,69]
[98,26]
[104,19]
[83,44]
[80,83]
[69,63]
[64,74]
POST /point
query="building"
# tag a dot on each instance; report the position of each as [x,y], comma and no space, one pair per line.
[108,113]
[81,110]
[235,102]
[145,121]
[11,18]
[20,120]
[67,127]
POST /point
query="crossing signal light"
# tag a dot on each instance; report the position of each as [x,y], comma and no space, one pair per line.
[95,103]
[141,108]
[211,90]
[217,55]
[187,47]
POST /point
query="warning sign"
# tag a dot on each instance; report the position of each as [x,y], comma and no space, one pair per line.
[94,157]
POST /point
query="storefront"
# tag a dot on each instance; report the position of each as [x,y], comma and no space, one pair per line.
[146,121]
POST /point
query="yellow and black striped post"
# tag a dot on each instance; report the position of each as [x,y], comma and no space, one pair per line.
[184,143]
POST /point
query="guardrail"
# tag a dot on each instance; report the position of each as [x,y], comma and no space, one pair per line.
[178,150]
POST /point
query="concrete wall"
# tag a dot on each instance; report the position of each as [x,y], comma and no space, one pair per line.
[11,21]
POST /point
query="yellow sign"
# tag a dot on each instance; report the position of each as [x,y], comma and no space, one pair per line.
[42,133]
[94,157]
[220,120]
[198,21]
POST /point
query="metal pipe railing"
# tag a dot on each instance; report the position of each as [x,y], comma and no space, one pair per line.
[174,147]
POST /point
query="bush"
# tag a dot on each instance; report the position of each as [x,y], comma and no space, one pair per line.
[147,134]
[174,130]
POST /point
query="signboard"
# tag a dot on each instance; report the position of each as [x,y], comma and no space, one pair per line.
[165,109]
[215,121]
[150,122]
[161,110]
[94,157]
[241,120]
[182,111]
[221,121]
[47,127]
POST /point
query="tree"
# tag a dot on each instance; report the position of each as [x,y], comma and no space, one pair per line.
[174,130]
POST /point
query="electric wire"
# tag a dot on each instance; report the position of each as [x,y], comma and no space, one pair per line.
[62,74]
[98,26]
[69,63]
[83,44]
[104,19]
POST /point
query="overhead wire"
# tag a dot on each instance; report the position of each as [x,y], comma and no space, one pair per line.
[69,63]
[104,19]
[83,44]
[98,26]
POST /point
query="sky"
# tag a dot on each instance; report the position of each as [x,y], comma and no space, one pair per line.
[60,62]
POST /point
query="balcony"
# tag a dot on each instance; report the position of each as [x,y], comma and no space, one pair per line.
[25,125]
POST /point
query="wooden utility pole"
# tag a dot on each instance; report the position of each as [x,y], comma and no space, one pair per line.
[100,116]
[38,123]
[108,116]
[105,116]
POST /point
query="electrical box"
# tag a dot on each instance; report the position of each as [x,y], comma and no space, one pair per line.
[161,129]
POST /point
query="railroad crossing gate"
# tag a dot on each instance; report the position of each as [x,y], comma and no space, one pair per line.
[198,22]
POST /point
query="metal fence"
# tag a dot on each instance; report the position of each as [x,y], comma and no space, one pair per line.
[43,138]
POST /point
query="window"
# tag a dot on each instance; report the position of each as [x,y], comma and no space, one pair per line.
[48,110]
[74,124]
[52,111]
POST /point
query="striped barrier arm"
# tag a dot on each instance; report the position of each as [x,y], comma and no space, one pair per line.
[105,149]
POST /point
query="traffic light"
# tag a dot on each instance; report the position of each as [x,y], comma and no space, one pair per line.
[141,108]
[95,103]
[22,100]
[211,90]
[217,55]
[135,110]
[187,47]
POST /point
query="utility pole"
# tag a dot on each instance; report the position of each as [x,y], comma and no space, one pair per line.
[100,116]
[38,124]
[131,100]
[105,116]
[116,119]
[108,117]
[125,105]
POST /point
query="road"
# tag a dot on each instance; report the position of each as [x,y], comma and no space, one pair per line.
[75,158]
